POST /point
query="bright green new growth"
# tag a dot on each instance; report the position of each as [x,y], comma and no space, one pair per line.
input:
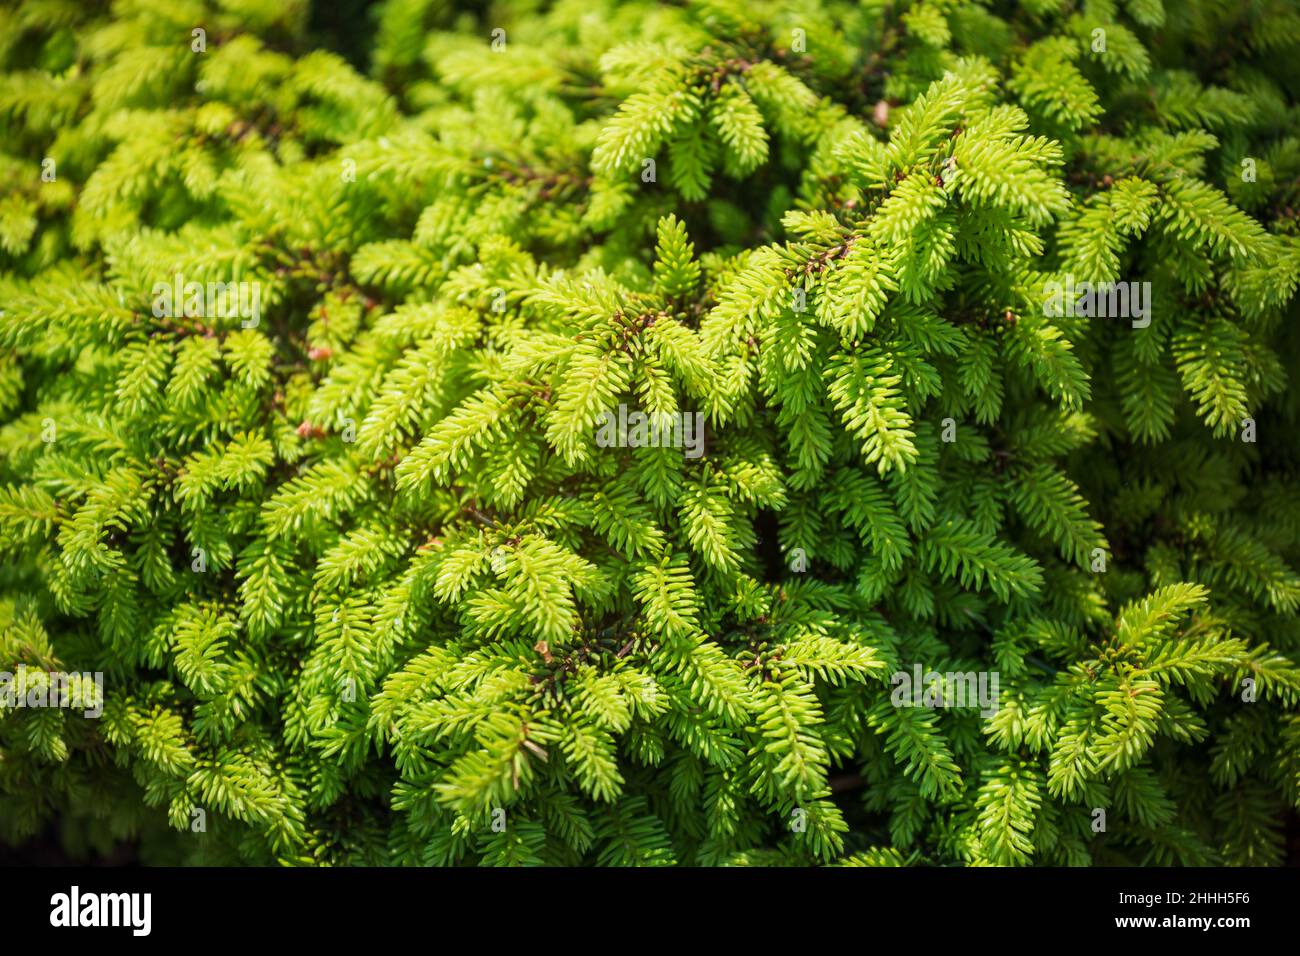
[366,589]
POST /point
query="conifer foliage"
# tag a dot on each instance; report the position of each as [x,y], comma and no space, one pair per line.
[366,586]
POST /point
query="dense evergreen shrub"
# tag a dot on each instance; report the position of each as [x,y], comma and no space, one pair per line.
[377,572]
